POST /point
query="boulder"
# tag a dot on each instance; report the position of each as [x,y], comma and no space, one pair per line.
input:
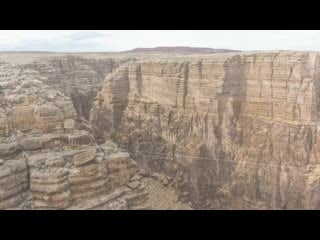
[31,144]
[69,124]
[9,149]
[134,184]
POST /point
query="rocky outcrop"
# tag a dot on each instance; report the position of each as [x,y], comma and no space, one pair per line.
[79,77]
[236,130]
[49,158]
[13,183]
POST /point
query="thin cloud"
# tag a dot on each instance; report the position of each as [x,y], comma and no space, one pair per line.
[120,40]
[85,35]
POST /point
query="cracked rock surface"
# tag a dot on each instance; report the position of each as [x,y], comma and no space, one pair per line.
[235,130]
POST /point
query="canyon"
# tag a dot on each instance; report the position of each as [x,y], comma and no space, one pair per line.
[160,129]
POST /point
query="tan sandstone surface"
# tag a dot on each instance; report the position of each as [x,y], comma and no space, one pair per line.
[234,130]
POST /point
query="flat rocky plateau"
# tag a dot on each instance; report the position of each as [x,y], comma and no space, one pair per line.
[156,129]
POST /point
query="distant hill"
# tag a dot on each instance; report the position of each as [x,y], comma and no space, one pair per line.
[185,50]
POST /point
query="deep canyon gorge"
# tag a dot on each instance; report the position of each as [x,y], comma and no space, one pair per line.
[160,130]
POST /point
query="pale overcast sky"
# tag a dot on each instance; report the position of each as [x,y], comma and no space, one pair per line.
[120,40]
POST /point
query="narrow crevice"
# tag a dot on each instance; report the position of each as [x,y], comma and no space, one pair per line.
[185,84]
[139,80]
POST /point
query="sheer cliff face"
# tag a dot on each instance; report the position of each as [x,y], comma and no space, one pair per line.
[226,131]
[234,130]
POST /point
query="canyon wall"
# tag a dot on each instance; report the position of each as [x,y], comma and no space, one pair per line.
[216,131]
[234,130]
[49,158]
[79,77]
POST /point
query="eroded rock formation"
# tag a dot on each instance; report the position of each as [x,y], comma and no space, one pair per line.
[216,131]
[233,130]
[49,157]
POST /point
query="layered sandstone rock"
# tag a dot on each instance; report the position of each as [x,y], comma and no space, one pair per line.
[49,158]
[79,77]
[234,130]
[13,183]
[221,131]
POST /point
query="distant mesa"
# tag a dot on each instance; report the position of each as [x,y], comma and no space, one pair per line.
[180,50]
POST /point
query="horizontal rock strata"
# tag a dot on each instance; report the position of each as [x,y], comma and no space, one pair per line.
[233,130]
[49,157]
[13,183]
[236,130]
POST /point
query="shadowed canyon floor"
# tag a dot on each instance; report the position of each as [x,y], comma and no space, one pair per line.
[147,129]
